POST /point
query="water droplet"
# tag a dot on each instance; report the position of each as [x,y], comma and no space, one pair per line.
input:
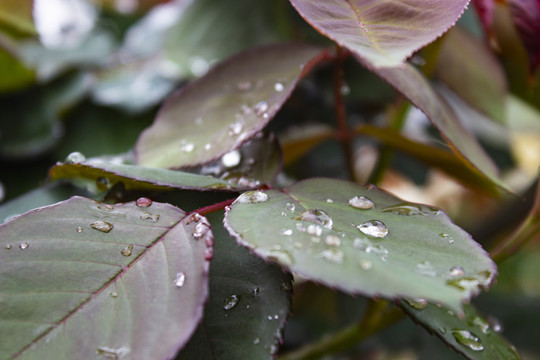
[468,339]
[111,353]
[24,245]
[8,247]
[149,216]
[143,202]
[180,279]
[365,264]
[105,207]
[329,201]
[187,148]
[464,283]
[441,330]
[208,254]
[199,66]
[345,89]
[127,250]
[495,324]
[286,286]
[361,244]
[244,85]
[114,294]
[418,303]
[286,232]
[256,341]
[376,249]
[332,240]
[448,237]
[313,229]
[278,87]
[230,301]
[374,228]
[316,216]
[404,209]
[235,128]
[333,255]
[361,202]
[261,107]
[482,324]
[252,197]
[102,226]
[75,158]
[255,291]
[207,147]
[425,268]
[456,271]
[201,229]
[231,159]
[79,229]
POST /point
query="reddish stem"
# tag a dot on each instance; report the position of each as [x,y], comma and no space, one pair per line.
[214,207]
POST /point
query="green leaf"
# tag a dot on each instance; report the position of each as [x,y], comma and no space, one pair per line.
[379,246]
[416,88]
[472,336]
[104,173]
[81,279]
[248,305]
[18,15]
[473,72]
[230,104]
[14,75]
[382,33]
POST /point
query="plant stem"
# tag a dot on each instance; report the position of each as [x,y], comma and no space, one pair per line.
[376,317]
[343,133]
[214,207]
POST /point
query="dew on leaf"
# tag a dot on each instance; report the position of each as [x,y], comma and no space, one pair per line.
[313,229]
[329,201]
[482,324]
[180,279]
[114,294]
[112,353]
[447,237]
[278,87]
[425,268]
[374,228]
[252,197]
[187,148]
[79,229]
[361,202]
[255,291]
[286,232]
[143,202]
[75,158]
[207,146]
[148,216]
[256,341]
[495,324]
[361,244]
[261,108]
[417,303]
[464,283]
[468,339]
[102,226]
[230,302]
[316,216]
[8,247]
[441,330]
[332,240]
[333,255]
[127,250]
[365,264]
[231,159]
[290,206]
[404,209]
[235,128]
[456,271]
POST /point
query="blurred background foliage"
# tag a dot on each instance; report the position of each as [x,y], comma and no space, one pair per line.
[89,76]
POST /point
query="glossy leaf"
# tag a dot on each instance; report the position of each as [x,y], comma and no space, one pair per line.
[82,279]
[220,111]
[104,173]
[415,87]
[379,246]
[472,336]
[526,17]
[473,72]
[248,305]
[382,33]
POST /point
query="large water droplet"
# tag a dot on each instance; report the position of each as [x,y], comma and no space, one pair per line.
[418,303]
[404,209]
[75,158]
[252,197]
[180,279]
[127,250]
[374,228]
[361,202]
[333,255]
[278,87]
[231,159]
[102,226]
[143,202]
[231,301]
[316,216]
[456,271]
[468,339]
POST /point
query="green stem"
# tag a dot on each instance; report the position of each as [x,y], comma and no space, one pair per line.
[377,317]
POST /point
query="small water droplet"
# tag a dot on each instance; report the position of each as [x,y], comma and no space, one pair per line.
[255,291]
[187,148]
[329,201]
[207,146]
[105,207]
[230,301]
[75,158]
[333,255]
[468,339]
[149,216]
[79,229]
[441,330]
[418,303]
[114,294]
[231,159]
[365,264]
[8,247]
[286,286]
[127,250]
[235,128]
[24,245]
[256,341]
[456,271]
[143,202]
[332,240]
[447,237]
[361,202]
[102,226]
[374,228]
[482,324]
[261,107]
[425,268]
[286,232]
[278,87]
[495,324]
[316,216]
[252,197]
[290,206]
[180,279]
[404,209]
[244,85]
[313,229]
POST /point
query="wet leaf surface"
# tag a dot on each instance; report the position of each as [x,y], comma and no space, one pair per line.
[248,305]
[362,240]
[472,336]
[382,33]
[218,112]
[92,279]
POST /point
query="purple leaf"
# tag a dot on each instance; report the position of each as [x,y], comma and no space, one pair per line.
[526,16]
